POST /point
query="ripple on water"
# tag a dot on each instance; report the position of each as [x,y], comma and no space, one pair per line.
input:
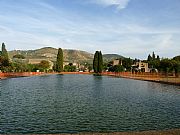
[85,103]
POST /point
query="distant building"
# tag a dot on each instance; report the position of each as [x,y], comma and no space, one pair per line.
[117,62]
[37,61]
[141,67]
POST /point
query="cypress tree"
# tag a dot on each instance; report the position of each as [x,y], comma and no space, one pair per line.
[4,51]
[4,55]
[158,58]
[149,57]
[153,56]
[95,62]
[100,62]
[59,62]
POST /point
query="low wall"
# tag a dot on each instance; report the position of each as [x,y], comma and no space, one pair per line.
[155,77]
[75,73]
[23,74]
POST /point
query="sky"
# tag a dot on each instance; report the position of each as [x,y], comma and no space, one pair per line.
[132,28]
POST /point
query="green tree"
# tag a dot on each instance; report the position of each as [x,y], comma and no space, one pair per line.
[4,51]
[158,58]
[44,65]
[153,56]
[59,61]
[4,56]
[95,62]
[127,63]
[90,68]
[153,61]
[19,67]
[177,58]
[69,68]
[176,66]
[166,65]
[31,68]
[154,64]
[100,62]
[1,62]
[149,58]
[118,68]
[105,66]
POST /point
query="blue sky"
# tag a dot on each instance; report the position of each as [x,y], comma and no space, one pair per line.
[132,28]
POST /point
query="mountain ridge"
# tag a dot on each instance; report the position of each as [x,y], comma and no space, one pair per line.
[70,55]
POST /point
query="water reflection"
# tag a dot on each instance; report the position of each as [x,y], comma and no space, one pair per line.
[86,103]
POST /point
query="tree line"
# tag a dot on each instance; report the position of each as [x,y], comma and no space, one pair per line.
[164,65]
[19,65]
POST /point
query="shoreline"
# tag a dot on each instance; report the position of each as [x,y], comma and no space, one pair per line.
[150,78]
[22,74]
[151,132]
[157,79]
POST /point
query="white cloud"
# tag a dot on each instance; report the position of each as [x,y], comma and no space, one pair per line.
[48,26]
[120,4]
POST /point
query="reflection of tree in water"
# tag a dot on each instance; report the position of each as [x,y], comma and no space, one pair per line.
[96,109]
[97,86]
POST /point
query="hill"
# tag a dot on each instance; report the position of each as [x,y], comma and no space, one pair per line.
[69,55]
[110,57]
[51,54]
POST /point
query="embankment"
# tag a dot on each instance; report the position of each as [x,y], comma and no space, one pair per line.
[26,74]
[153,77]
[138,76]
[23,74]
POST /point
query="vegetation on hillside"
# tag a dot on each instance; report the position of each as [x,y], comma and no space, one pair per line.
[18,56]
[71,56]
[111,57]
[50,53]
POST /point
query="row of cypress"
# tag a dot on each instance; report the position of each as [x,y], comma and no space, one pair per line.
[97,61]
